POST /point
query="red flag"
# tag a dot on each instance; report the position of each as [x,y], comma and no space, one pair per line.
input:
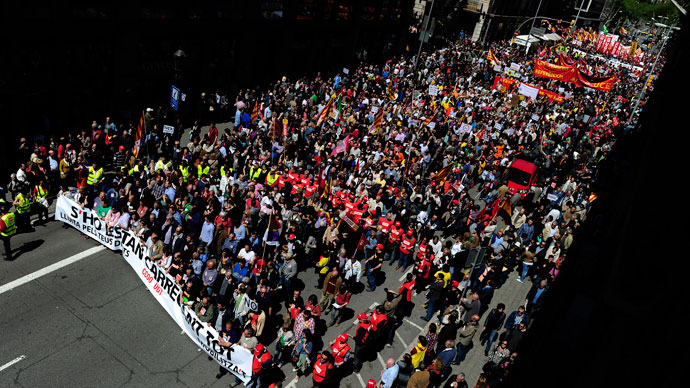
[137,135]
[255,112]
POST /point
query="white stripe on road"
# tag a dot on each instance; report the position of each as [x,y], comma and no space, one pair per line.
[361,381]
[400,338]
[9,364]
[292,384]
[405,274]
[371,308]
[414,324]
[51,268]
[383,363]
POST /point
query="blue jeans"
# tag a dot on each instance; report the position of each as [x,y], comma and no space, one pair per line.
[525,269]
[371,277]
[492,337]
[402,262]
[430,308]
[462,352]
[286,283]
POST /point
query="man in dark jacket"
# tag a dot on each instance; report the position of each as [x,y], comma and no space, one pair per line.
[516,337]
[492,324]
[435,292]
[514,319]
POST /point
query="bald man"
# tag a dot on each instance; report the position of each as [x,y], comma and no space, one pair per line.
[389,374]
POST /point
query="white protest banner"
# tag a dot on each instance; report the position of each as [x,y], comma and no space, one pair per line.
[163,287]
[528,90]
[466,128]
[551,197]
[535,117]
[498,126]
[515,66]
[87,222]
[166,291]
[431,125]
[433,90]
[346,70]
[168,129]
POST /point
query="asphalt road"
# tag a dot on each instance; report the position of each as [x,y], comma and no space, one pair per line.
[92,323]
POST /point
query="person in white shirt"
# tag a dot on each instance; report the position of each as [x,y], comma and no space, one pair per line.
[246,253]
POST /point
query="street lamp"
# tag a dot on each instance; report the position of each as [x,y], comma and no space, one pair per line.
[529,34]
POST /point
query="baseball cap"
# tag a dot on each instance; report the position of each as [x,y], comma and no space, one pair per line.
[343,337]
[397,223]
[362,316]
[379,246]
[259,348]
[409,232]
[371,383]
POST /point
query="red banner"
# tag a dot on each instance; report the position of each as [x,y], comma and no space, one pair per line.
[600,83]
[508,82]
[571,74]
[558,72]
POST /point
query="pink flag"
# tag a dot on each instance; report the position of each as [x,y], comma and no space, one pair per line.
[342,146]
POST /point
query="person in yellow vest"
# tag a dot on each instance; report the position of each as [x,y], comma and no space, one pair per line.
[7,228]
[41,204]
[22,204]
[95,175]
[162,165]
[255,171]
[201,171]
[184,170]
[272,177]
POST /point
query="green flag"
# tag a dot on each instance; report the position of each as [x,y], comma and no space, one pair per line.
[604,29]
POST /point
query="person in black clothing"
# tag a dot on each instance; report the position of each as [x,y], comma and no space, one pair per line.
[448,331]
[516,337]
[492,324]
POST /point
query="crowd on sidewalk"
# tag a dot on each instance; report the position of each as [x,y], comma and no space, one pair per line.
[353,176]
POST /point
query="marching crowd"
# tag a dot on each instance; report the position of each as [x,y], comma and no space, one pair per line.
[351,176]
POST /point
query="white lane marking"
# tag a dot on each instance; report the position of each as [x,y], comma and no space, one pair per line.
[371,308]
[292,384]
[405,274]
[361,381]
[383,363]
[9,364]
[414,324]
[400,338]
[51,268]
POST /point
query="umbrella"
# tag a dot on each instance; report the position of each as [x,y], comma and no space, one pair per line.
[239,104]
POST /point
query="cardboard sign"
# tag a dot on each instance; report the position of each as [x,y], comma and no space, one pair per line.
[433,90]
[168,129]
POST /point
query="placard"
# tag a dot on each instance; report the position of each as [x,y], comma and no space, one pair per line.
[433,90]
[168,129]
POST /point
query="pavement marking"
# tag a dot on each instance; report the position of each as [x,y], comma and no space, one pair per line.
[405,274]
[383,363]
[414,324]
[361,380]
[400,338]
[292,384]
[371,308]
[9,364]
[51,268]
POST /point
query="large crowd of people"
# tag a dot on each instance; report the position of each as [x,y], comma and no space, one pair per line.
[381,169]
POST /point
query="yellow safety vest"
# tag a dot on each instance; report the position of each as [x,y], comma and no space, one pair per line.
[185,172]
[160,165]
[10,227]
[254,175]
[201,172]
[222,170]
[94,176]
[271,181]
[133,170]
[24,205]
[40,192]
